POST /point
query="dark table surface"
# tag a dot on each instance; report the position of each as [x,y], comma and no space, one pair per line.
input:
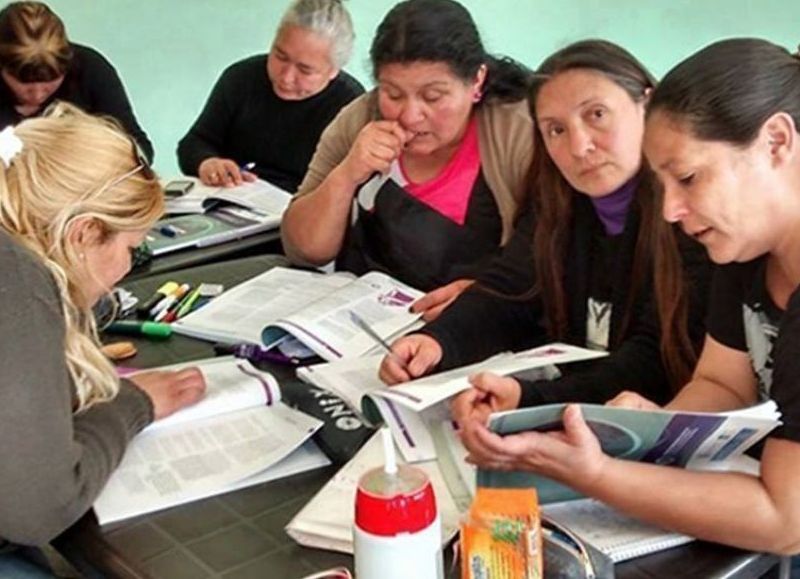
[268,242]
[240,535]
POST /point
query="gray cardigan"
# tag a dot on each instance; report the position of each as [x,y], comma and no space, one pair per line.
[54,462]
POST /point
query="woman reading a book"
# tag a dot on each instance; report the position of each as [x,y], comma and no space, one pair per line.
[265,114]
[723,138]
[593,265]
[75,200]
[422,177]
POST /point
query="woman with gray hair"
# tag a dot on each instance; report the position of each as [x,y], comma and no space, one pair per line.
[266,112]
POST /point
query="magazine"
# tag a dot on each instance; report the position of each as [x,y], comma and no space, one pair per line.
[409,408]
[694,440]
[311,307]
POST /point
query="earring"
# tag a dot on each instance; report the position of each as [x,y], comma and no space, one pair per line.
[82,256]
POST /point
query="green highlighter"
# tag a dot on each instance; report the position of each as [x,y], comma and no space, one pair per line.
[153,330]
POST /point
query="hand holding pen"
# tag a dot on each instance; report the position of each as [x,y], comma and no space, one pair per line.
[411,356]
[219,172]
[399,364]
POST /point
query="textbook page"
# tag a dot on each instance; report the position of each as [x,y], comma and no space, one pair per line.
[326,325]
[696,440]
[231,384]
[326,522]
[260,195]
[185,462]
[353,378]
[617,535]
[430,390]
[410,409]
[242,312]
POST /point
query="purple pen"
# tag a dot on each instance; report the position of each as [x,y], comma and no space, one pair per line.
[255,353]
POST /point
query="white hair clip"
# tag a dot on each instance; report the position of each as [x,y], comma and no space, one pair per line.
[10,145]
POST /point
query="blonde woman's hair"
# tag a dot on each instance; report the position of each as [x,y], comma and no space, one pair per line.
[33,43]
[74,167]
[328,18]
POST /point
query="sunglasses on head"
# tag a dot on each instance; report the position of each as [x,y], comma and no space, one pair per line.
[142,164]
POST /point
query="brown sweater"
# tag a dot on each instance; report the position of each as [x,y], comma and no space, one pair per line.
[505,138]
[54,462]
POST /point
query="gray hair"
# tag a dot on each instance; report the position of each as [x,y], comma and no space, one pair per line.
[328,18]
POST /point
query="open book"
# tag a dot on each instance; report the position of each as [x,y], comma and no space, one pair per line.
[259,195]
[409,408]
[238,435]
[695,440]
[313,308]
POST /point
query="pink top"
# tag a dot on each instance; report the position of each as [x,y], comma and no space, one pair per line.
[450,191]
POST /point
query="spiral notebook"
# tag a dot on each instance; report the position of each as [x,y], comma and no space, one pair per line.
[618,536]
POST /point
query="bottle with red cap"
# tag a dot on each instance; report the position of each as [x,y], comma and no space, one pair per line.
[397,531]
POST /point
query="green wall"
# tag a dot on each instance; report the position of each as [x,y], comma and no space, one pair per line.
[169,52]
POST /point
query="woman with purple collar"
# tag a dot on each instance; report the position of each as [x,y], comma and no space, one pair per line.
[590,264]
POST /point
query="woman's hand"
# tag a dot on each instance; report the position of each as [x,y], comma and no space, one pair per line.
[171,390]
[572,456]
[633,400]
[219,172]
[377,145]
[433,303]
[489,393]
[412,356]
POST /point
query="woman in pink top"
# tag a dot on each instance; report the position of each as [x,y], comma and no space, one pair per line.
[422,177]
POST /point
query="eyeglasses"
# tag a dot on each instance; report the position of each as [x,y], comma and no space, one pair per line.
[142,165]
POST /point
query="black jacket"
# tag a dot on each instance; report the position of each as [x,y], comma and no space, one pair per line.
[93,84]
[500,313]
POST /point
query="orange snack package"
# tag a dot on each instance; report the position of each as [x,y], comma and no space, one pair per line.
[501,537]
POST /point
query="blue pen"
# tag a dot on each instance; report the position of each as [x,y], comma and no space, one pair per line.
[167,231]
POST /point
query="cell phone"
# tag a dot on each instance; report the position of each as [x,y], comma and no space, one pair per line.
[178,188]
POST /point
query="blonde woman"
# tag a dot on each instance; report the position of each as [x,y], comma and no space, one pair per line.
[75,199]
[39,64]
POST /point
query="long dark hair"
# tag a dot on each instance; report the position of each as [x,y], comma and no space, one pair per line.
[656,253]
[33,42]
[726,91]
[444,31]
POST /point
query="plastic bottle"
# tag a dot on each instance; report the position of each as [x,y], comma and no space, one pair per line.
[397,531]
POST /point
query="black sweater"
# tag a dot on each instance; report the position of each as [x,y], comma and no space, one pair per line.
[481,323]
[244,120]
[91,83]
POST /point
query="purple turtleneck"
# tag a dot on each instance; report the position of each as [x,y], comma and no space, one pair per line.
[612,209]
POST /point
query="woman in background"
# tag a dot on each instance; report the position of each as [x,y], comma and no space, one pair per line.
[67,229]
[38,65]
[266,112]
[596,267]
[722,137]
[423,176]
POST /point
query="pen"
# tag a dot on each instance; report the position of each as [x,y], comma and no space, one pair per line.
[172,311]
[164,304]
[248,166]
[144,309]
[167,231]
[360,323]
[186,305]
[149,329]
[172,300]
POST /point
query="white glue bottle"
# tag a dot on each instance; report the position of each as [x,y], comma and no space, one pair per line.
[397,531]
